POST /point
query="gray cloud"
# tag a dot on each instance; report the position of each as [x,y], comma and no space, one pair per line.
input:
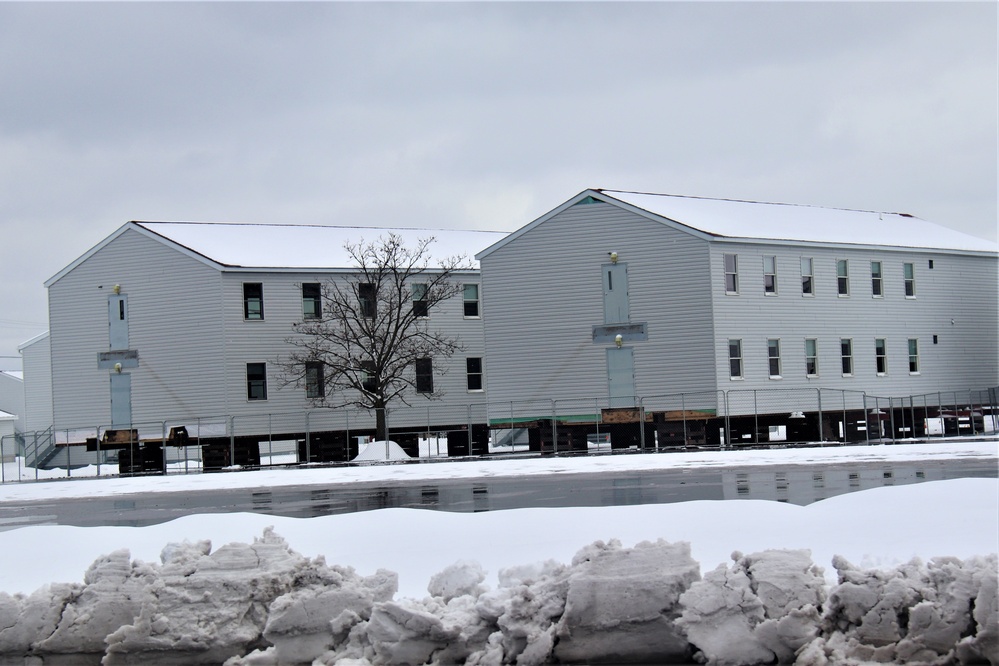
[475,115]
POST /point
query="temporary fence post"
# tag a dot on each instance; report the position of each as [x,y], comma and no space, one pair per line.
[891,418]
[270,440]
[683,416]
[641,424]
[818,397]
[346,422]
[554,432]
[308,443]
[232,441]
[468,423]
[756,420]
[163,446]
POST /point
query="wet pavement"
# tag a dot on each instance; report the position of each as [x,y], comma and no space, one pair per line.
[796,484]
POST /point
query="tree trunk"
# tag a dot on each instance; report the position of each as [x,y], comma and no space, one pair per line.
[381,424]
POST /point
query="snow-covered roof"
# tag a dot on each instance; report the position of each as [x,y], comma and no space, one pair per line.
[738,220]
[4,416]
[305,246]
[732,218]
[16,374]
[284,247]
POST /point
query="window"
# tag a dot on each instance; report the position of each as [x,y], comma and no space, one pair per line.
[846,353]
[471,296]
[424,375]
[366,300]
[843,277]
[311,300]
[909,276]
[731,274]
[913,356]
[881,356]
[877,289]
[931,264]
[420,307]
[811,358]
[253,300]
[473,373]
[735,359]
[315,386]
[770,275]
[368,380]
[807,283]
[773,357]
[256,381]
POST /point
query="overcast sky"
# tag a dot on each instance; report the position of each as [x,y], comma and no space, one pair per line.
[474,115]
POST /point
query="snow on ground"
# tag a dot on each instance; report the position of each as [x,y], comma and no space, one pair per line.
[882,528]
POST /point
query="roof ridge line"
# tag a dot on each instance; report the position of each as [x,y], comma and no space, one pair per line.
[750,201]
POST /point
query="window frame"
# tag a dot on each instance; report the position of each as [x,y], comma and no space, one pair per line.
[881,357]
[315,381]
[846,356]
[807,279]
[770,277]
[734,273]
[424,374]
[256,380]
[367,301]
[913,349]
[812,358]
[909,279]
[466,301]
[368,377]
[877,280]
[474,374]
[843,279]
[421,307]
[773,360]
[312,292]
[248,298]
[736,368]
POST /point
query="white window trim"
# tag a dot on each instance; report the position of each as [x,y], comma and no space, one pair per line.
[780,362]
[765,274]
[852,357]
[885,373]
[726,273]
[810,276]
[816,357]
[880,279]
[843,277]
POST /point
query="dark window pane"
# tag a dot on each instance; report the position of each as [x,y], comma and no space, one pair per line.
[424,375]
[311,300]
[314,381]
[366,297]
[253,300]
[256,381]
[473,370]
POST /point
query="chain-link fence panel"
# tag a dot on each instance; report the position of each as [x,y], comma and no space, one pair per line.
[773,417]
[684,420]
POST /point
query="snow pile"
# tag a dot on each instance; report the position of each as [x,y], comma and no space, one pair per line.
[380,452]
[262,604]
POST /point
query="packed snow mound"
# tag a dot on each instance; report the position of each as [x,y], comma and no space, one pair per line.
[262,604]
[381,451]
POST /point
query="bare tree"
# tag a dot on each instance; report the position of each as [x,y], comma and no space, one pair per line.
[372,337]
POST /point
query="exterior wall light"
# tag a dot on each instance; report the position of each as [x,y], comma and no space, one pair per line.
[117,368]
[613,257]
[618,340]
[116,289]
